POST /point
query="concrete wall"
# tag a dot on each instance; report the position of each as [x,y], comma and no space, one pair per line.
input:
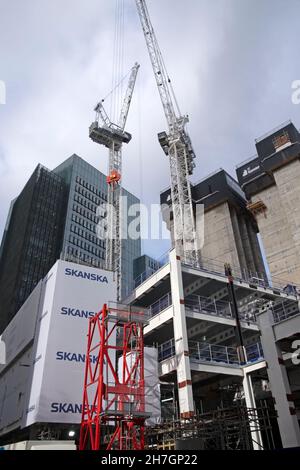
[279,226]
[229,236]
[219,240]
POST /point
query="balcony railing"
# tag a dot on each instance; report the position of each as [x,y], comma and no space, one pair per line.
[284,310]
[245,275]
[218,308]
[161,262]
[206,352]
[254,352]
[166,350]
[160,305]
[213,266]
[216,353]
[205,305]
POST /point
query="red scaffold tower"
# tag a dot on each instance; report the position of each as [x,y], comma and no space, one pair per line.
[113,410]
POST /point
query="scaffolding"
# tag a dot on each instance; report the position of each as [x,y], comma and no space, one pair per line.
[113,410]
[230,428]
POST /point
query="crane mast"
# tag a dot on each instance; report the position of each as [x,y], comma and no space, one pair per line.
[113,136]
[176,144]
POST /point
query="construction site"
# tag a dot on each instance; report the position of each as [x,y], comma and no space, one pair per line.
[201,350]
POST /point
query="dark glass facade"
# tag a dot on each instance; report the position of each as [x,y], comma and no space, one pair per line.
[56,216]
[87,193]
[31,242]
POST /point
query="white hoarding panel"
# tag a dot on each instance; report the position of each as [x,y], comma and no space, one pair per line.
[13,392]
[21,329]
[73,294]
[152,384]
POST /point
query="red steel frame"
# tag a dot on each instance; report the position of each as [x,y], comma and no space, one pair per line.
[113,410]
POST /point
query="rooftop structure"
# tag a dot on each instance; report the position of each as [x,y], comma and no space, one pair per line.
[271,184]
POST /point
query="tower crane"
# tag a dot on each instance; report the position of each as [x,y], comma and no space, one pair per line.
[176,145]
[112,136]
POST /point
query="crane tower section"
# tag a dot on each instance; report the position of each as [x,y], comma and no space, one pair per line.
[111,135]
[176,144]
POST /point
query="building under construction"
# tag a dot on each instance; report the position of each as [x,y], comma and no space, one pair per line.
[211,394]
[224,332]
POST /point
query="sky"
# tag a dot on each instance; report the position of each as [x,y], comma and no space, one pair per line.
[232,65]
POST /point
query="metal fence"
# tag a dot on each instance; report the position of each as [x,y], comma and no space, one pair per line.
[161,304]
[162,261]
[283,310]
[166,350]
[259,279]
[207,305]
[245,275]
[254,352]
[218,308]
[207,352]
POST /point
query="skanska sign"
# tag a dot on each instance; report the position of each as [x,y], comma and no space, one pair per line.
[76,312]
[71,295]
[73,357]
[85,275]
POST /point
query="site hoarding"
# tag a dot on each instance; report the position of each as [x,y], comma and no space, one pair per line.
[73,294]
[50,330]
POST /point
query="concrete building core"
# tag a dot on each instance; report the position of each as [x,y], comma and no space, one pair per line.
[271,183]
[230,230]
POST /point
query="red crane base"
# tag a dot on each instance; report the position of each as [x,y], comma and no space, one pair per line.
[113,410]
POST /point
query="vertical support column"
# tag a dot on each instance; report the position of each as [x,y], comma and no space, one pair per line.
[238,239]
[256,251]
[250,403]
[287,418]
[184,378]
[247,245]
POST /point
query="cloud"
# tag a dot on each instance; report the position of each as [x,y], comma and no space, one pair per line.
[232,63]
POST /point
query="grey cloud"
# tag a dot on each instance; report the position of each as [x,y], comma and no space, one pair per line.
[231,62]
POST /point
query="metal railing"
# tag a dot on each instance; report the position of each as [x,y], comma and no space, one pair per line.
[218,308]
[213,266]
[216,353]
[162,261]
[207,305]
[166,350]
[160,304]
[283,310]
[245,275]
[206,352]
[254,352]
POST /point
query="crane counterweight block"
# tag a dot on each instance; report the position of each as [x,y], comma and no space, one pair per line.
[105,136]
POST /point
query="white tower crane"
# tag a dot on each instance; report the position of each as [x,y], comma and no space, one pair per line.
[112,136]
[176,144]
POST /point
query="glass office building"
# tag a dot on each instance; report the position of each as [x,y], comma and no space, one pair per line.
[87,191]
[56,216]
[31,240]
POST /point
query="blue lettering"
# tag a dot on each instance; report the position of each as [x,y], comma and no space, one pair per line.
[73,357]
[76,312]
[66,408]
[86,275]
